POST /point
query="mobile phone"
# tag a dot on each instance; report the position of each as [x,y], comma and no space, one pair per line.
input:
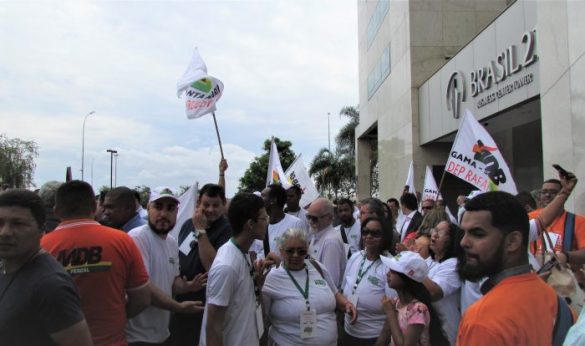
[561,170]
[548,266]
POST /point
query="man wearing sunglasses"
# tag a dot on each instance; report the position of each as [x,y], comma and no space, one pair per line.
[326,244]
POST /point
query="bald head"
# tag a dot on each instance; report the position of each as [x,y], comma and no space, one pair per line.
[320,214]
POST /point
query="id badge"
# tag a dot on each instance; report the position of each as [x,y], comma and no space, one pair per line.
[354,300]
[259,321]
[308,323]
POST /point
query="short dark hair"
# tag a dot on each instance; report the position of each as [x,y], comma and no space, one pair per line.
[393,200]
[25,199]
[409,200]
[525,198]
[553,181]
[75,199]
[279,193]
[297,188]
[123,195]
[345,201]
[507,213]
[376,206]
[243,207]
[212,190]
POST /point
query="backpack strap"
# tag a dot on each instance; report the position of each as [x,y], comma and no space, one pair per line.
[569,233]
[266,244]
[343,235]
[317,266]
[563,322]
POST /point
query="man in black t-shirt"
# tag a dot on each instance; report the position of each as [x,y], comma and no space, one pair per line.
[39,303]
[206,232]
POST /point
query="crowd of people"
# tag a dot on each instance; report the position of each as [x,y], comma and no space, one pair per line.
[260,269]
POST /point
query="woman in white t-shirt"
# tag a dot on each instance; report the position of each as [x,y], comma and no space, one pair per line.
[300,298]
[364,283]
[443,282]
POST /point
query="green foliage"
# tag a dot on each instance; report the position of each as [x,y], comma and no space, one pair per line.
[254,178]
[144,192]
[17,161]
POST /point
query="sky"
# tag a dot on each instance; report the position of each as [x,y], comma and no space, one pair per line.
[285,64]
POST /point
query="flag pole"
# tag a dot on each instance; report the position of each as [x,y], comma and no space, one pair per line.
[440,185]
[218,138]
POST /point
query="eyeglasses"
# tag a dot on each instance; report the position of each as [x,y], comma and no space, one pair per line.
[300,251]
[315,218]
[375,233]
[549,192]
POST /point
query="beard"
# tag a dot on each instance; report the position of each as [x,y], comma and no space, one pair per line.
[161,230]
[480,269]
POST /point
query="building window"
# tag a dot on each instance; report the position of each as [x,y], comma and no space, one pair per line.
[379,73]
[377,19]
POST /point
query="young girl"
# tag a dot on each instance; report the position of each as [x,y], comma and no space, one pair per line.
[411,318]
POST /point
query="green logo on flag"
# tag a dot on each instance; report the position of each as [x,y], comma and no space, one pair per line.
[204,85]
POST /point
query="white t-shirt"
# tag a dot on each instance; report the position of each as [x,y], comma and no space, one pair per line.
[229,284]
[445,275]
[301,214]
[370,290]
[283,302]
[353,236]
[275,231]
[161,259]
[327,247]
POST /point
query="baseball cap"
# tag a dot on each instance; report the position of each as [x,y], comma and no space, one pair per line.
[162,192]
[410,264]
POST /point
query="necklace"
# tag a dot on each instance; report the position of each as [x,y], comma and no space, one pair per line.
[15,274]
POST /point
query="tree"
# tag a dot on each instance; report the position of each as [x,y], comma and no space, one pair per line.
[334,173]
[254,178]
[345,139]
[17,161]
[144,192]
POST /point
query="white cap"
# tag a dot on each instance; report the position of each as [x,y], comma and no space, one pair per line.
[410,264]
[162,192]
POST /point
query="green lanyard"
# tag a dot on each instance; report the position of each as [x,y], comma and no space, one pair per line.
[251,268]
[304,293]
[361,274]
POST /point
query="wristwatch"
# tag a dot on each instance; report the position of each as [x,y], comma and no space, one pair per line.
[199,232]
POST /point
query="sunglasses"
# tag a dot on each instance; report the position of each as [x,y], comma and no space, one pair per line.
[300,251]
[315,218]
[373,232]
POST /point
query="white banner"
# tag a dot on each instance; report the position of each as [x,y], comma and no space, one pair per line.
[410,180]
[275,172]
[476,159]
[201,90]
[430,190]
[187,203]
[297,174]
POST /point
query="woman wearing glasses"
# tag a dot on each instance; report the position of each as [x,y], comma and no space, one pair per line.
[300,297]
[365,283]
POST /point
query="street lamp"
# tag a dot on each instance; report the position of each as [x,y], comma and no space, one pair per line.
[112,152]
[83,142]
[116,169]
[329,130]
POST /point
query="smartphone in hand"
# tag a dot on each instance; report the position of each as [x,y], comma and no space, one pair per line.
[561,170]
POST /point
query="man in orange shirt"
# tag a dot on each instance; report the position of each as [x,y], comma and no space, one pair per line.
[105,264]
[518,308]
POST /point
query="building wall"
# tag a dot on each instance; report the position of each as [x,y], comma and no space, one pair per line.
[562,96]
[422,35]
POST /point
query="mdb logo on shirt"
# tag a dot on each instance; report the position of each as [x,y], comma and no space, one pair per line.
[375,281]
[320,282]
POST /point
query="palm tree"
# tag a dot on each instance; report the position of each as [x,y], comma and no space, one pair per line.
[345,139]
[334,173]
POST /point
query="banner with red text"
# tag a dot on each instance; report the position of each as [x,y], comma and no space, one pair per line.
[201,90]
[297,175]
[430,190]
[475,158]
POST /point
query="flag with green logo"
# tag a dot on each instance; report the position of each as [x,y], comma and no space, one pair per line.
[201,90]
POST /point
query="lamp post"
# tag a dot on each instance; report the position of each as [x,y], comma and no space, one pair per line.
[116,169]
[83,142]
[112,152]
[329,130]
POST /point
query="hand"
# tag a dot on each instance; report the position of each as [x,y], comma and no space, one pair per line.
[262,271]
[198,283]
[400,247]
[271,259]
[223,166]
[568,182]
[199,219]
[389,305]
[190,307]
[544,275]
[351,310]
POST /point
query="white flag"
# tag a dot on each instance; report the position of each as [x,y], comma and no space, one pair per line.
[410,180]
[201,90]
[275,172]
[187,203]
[430,190]
[476,159]
[297,174]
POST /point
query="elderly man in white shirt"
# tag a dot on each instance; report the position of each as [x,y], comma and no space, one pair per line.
[326,244]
